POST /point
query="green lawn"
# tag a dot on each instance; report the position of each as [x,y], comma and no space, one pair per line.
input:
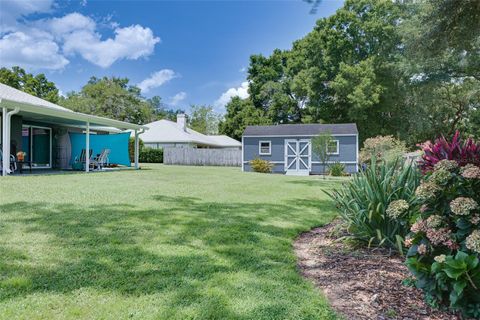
[159,243]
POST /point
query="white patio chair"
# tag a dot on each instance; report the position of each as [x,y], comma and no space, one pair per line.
[101,160]
[13,162]
[82,158]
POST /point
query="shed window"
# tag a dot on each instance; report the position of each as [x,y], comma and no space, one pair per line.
[265,147]
[332,147]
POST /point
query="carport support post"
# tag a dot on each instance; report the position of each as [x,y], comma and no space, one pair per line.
[5,153]
[137,147]
[87,148]
[6,119]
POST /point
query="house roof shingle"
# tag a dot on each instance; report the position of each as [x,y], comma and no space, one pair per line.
[225,141]
[41,109]
[12,94]
[166,131]
[301,129]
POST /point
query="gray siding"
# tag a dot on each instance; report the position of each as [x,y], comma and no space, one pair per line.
[347,152]
[278,168]
[316,168]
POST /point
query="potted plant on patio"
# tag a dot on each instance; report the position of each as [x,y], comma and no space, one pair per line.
[21,156]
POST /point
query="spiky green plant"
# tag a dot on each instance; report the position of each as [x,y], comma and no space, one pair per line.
[337,169]
[363,203]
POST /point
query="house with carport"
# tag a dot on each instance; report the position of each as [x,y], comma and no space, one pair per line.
[51,136]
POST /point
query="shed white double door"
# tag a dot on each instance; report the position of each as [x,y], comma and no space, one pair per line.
[298,156]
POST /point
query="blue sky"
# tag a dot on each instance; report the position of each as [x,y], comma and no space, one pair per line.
[187,52]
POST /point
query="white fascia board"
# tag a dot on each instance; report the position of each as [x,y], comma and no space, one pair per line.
[356,155]
[302,135]
[314,162]
[333,162]
[275,162]
[71,115]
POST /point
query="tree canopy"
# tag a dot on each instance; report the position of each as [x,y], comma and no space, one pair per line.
[38,85]
[204,119]
[410,69]
[113,98]
[240,114]
[160,111]
[402,68]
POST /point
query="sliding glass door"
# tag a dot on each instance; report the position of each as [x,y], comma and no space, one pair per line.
[37,143]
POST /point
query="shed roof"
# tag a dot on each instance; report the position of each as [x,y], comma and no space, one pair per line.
[301,129]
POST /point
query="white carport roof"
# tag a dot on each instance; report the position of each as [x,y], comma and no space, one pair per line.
[38,109]
[166,131]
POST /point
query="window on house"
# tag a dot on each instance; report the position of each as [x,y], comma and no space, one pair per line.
[332,147]
[265,147]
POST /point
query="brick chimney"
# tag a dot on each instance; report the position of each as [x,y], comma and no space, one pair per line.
[182,121]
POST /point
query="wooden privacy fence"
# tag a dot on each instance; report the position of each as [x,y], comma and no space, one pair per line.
[202,157]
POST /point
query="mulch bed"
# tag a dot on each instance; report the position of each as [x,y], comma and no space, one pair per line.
[361,283]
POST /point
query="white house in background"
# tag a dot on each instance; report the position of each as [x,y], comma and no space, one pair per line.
[166,133]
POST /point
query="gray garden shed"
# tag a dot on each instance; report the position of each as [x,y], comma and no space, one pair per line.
[289,147]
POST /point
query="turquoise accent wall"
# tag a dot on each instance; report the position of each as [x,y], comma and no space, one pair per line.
[117,143]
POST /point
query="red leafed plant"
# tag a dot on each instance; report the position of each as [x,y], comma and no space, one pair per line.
[461,151]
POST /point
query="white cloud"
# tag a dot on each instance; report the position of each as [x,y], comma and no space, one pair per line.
[12,10]
[21,49]
[75,34]
[225,98]
[131,43]
[70,23]
[157,79]
[178,98]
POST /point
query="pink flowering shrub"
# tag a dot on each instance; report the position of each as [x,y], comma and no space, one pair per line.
[444,242]
[463,152]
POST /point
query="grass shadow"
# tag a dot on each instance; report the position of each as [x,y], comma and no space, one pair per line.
[179,248]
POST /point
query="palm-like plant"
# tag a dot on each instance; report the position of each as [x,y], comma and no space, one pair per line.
[363,203]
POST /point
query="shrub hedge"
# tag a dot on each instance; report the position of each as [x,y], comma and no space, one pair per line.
[383,148]
[131,148]
[149,155]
